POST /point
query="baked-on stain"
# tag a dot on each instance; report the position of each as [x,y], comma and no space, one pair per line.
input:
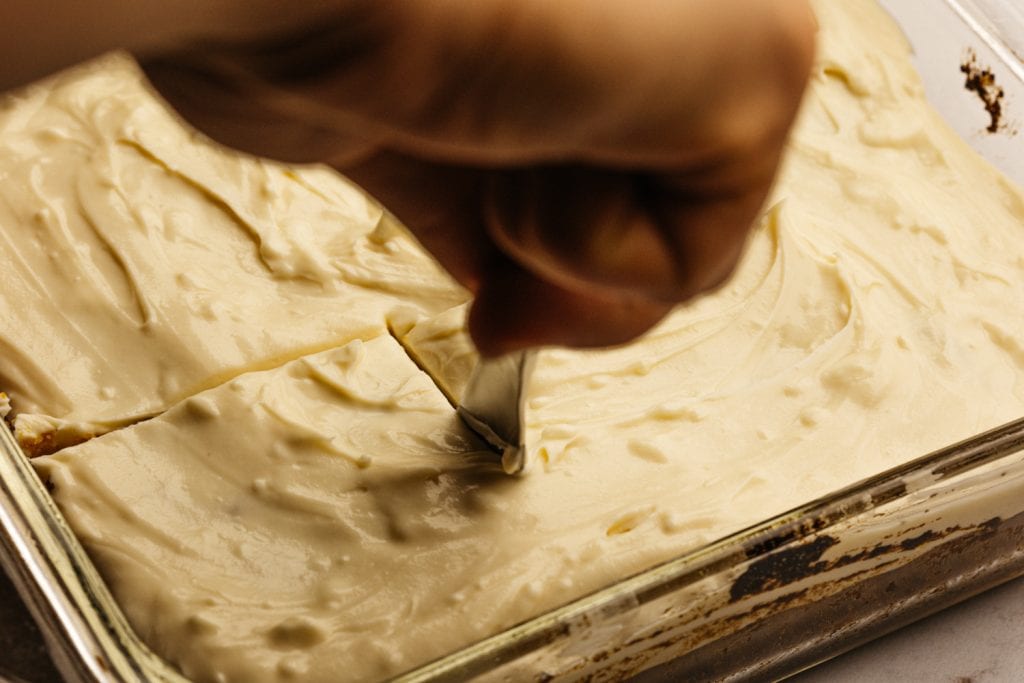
[793,564]
[782,568]
[842,618]
[982,81]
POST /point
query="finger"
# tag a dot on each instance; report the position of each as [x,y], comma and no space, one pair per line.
[439,204]
[514,309]
[582,228]
[241,114]
[653,237]
[708,235]
[707,212]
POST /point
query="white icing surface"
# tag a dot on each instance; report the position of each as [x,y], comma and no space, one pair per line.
[332,515]
[142,265]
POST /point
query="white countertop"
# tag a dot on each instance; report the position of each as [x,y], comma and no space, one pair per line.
[977,641]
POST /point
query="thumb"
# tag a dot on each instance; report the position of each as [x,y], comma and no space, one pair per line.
[514,309]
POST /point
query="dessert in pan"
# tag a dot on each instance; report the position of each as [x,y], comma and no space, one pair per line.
[201,350]
[142,266]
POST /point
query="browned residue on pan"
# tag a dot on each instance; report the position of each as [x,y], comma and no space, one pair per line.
[793,564]
[982,81]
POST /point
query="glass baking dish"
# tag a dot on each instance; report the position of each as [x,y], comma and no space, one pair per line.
[765,602]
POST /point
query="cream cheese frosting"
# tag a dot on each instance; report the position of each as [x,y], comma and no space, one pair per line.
[141,264]
[330,514]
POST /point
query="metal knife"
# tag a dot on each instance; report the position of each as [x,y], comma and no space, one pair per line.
[493,405]
[491,402]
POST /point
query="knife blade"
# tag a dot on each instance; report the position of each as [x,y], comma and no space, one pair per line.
[493,405]
[489,398]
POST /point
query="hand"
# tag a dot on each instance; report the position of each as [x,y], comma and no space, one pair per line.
[582,165]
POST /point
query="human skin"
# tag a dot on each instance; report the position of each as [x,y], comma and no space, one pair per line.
[582,166]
